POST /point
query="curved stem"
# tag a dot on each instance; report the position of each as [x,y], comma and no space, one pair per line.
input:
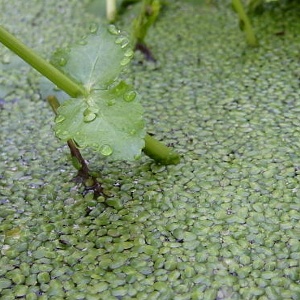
[41,65]
[250,36]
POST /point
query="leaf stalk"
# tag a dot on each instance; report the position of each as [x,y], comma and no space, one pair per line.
[41,65]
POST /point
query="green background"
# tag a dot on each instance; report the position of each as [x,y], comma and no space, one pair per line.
[222,224]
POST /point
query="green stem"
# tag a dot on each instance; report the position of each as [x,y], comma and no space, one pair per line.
[250,36]
[159,152]
[41,65]
[111,10]
[153,148]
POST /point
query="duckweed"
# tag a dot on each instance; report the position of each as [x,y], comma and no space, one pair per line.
[5,283]
[222,224]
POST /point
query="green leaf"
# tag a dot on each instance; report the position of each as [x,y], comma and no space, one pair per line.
[97,60]
[108,117]
[109,121]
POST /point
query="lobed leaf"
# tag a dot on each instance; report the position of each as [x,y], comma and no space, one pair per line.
[108,117]
[97,60]
[109,121]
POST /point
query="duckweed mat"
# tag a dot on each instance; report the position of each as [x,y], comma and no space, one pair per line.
[222,224]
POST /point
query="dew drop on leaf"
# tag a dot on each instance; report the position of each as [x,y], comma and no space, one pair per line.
[93,28]
[123,40]
[119,40]
[129,53]
[59,119]
[89,117]
[106,150]
[125,43]
[113,29]
[125,61]
[129,96]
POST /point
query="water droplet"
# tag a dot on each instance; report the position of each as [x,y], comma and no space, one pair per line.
[113,29]
[129,53]
[59,119]
[106,150]
[119,40]
[89,117]
[125,61]
[125,43]
[129,96]
[62,61]
[123,40]
[93,28]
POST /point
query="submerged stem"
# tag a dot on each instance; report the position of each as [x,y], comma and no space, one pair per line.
[41,65]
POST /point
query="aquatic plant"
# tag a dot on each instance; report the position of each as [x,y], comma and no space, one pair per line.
[103,112]
[145,18]
[244,22]
[149,12]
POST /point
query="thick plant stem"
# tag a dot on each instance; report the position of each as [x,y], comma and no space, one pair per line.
[245,22]
[159,152]
[41,65]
